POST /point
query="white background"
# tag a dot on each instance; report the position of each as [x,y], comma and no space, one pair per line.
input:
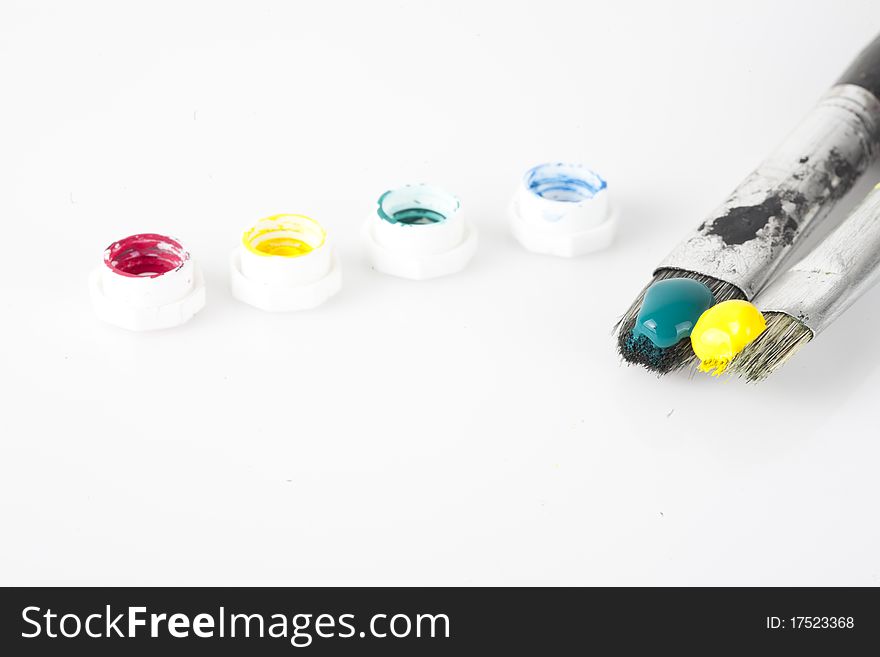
[477,429]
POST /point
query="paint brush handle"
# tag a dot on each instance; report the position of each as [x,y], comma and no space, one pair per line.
[864,71]
[747,239]
[819,288]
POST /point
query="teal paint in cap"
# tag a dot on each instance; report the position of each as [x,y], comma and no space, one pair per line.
[671,309]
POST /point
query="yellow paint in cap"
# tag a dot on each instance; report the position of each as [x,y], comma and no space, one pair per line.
[287,235]
[723,331]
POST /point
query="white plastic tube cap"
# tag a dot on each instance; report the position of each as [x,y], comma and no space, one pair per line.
[147,281]
[284,263]
[563,210]
[419,232]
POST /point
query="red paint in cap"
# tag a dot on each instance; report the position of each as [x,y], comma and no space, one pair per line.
[146,255]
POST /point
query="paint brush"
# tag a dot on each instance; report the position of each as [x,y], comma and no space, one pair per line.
[809,297]
[738,248]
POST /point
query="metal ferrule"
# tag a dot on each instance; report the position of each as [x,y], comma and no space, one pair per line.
[819,288]
[747,239]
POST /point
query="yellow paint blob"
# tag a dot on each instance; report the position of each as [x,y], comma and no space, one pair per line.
[285,235]
[723,331]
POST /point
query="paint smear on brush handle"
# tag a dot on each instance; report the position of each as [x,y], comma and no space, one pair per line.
[748,238]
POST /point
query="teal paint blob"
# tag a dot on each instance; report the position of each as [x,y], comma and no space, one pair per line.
[416,216]
[416,205]
[670,310]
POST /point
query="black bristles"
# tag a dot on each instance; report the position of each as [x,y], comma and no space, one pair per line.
[781,340]
[641,351]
